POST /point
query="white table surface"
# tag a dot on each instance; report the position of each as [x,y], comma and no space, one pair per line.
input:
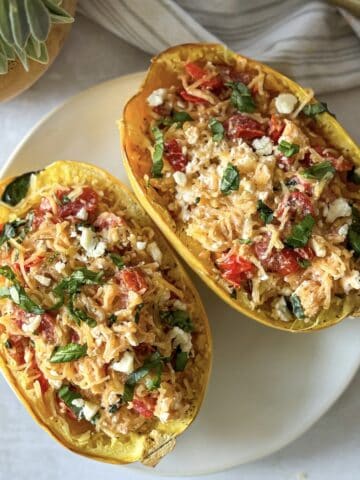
[329,451]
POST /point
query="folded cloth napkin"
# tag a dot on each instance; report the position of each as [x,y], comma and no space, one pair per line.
[316,43]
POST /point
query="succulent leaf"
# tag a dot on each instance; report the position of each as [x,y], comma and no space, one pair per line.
[21,54]
[57,14]
[19,24]
[5,26]
[3,60]
[37,51]
[7,49]
[38,18]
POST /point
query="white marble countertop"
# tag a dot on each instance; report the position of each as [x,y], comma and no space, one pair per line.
[329,451]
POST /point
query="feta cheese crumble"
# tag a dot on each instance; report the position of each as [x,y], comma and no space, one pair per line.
[125,364]
[338,208]
[285,103]
[157,97]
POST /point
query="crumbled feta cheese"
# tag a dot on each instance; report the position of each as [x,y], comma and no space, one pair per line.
[130,337]
[141,245]
[338,208]
[343,230]
[179,305]
[14,294]
[155,252]
[93,247]
[59,266]
[157,97]
[32,324]
[56,384]
[78,402]
[43,280]
[351,281]
[125,364]
[82,214]
[180,178]
[282,310]
[181,339]
[90,410]
[263,145]
[285,103]
[192,135]
[318,247]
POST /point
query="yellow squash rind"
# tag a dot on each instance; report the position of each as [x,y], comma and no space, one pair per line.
[149,448]
[137,160]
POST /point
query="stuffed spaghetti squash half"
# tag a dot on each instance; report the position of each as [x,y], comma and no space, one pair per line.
[102,335]
[252,180]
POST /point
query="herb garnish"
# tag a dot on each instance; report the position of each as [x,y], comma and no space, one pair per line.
[17,293]
[117,260]
[296,306]
[303,262]
[68,353]
[241,97]
[177,318]
[16,190]
[301,232]
[67,395]
[181,360]
[353,176]
[313,109]
[176,117]
[245,241]
[12,229]
[230,180]
[265,212]
[319,170]
[353,236]
[158,153]
[288,149]
[138,309]
[217,130]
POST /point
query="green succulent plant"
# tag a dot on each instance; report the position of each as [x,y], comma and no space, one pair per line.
[24,28]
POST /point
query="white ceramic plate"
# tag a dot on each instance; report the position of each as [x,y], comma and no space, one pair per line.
[267,387]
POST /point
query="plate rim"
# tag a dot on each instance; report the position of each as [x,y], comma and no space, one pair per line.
[226,467]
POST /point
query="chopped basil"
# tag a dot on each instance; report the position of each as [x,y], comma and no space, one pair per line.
[137,312]
[197,200]
[217,130]
[11,230]
[154,362]
[157,157]
[68,353]
[230,180]
[313,109]
[296,306]
[245,241]
[301,232]
[181,360]
[8,344]
[176,117]
[78,314]
[65,199]
[177,318]
[112,319]
[288,149]
[118,260]
[16,190]
[353,236]
[265,212]
[353,176]
[67,395]
[319,170]
[303,262]
[17,293]
[241,97]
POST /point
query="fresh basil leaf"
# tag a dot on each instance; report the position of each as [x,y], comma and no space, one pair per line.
[117,260]
[11,230]
[16,190]
[157,157]
[217,130]
[230,180]
[150,364]
[5,271]
[67,395]
[80,315]
[296,306]
[112,319]
[301,232]
[313,109]
[265,212]
[241,97]
[303,262]
[177,318]
[319,170]
[353,236]
[137,312]
[153,383]
[176,117]
[353,176]
[17,293]
[245,241]
[68,353]
[197,200]
[181,360]
[288,149]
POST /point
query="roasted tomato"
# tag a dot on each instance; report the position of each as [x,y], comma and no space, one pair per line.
[44,384]
[133,279]
[174,155]
[197,73]
[283,262]
[340,163]
[299,203]
[241,126]
[236,269]
[40,213]
[276,127]
[47,327]
[191,98]
[108,220]
[88,199]
[144,406]
[17,349]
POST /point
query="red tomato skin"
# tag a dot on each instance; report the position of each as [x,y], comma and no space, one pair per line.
[276,127]
[241,126]
[47,327]
[197,73]
[236,269]
[88,199]
[284,262]
[299,203]
[144,406]
[17,350]
[191,98]
[44,384]
[133,279]
[174,155]
[340,164]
